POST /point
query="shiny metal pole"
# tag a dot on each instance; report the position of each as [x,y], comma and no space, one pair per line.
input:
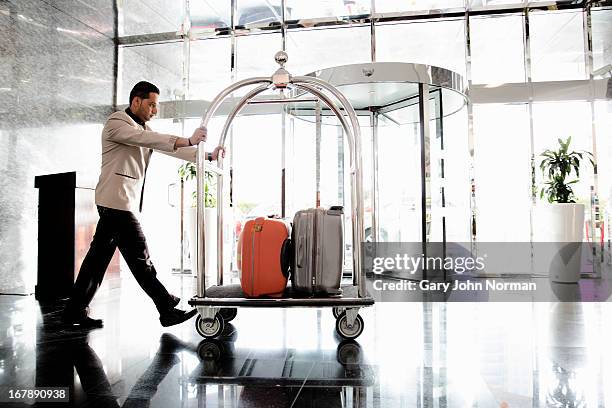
[200,234]
[425,170]
[220,208]
[439,120]
[318,125]
[470,135]
[200,161]
[182,215]
[597,250]
[283,160]
[374,126]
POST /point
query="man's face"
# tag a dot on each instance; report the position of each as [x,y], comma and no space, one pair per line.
[145,109]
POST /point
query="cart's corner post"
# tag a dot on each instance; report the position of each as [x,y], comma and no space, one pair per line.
[201,236]
[220,209]
[358,230]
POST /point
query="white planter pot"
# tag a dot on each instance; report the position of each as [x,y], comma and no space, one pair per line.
[557,225]
[210,246]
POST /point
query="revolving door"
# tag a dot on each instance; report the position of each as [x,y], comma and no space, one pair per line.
[416,155]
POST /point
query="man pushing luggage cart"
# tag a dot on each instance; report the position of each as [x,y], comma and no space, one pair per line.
[217,304]
[127,145]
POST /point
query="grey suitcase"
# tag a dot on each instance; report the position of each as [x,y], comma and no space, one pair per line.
[318,251]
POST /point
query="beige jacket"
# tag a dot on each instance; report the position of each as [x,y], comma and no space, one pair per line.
[126,151]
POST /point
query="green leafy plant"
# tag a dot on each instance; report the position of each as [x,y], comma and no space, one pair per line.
[188,171]
[557,166]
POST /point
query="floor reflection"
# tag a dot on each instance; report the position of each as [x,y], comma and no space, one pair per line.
[410,355]
[289,377]
[239,377]
[63,352]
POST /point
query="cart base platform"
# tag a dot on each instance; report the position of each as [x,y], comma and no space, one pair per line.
[232,296]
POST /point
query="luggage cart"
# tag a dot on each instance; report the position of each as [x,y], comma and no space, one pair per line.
[217,304]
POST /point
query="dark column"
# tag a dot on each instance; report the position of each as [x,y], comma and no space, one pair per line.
[55,235]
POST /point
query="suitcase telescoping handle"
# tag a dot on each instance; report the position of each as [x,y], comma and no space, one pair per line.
[340,107]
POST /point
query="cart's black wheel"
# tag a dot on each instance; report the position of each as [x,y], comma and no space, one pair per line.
[337,311]
[349,352]
[343,329]
[210,350]
[209,328]
[228,313]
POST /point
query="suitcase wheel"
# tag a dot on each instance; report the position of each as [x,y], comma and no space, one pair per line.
[209,328]
[343,329]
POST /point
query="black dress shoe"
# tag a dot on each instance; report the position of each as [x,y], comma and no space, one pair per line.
[82,322]
[176,316]
[175,301]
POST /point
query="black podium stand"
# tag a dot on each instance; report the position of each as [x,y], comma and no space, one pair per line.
[56,204]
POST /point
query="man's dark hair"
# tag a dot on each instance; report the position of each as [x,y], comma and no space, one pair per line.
[142,90]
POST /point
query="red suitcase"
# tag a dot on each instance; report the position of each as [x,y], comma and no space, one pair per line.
[262,258]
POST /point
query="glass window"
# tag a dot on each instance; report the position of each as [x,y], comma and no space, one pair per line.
[456,176]
[258,12]
[255,55]
[257,164]
[299,9]
[511,3]
[494,3]
[209,67]
[502,172]
[497,49]
[160,64]
[310,50]
[390,6]
[334,156]
[557,46]
[210,14]
[603,121]
[439,43]
[449,132]
[399,158]
[150,16]
[301,165]
[601,24]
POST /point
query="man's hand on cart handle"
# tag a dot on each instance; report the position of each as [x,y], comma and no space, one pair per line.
[215,153]
[199,136]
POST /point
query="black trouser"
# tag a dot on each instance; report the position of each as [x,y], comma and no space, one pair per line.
[116,229]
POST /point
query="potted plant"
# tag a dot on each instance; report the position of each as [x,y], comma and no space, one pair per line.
[187,172]
[559,222]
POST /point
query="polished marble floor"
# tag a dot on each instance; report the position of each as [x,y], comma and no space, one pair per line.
[409,355]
